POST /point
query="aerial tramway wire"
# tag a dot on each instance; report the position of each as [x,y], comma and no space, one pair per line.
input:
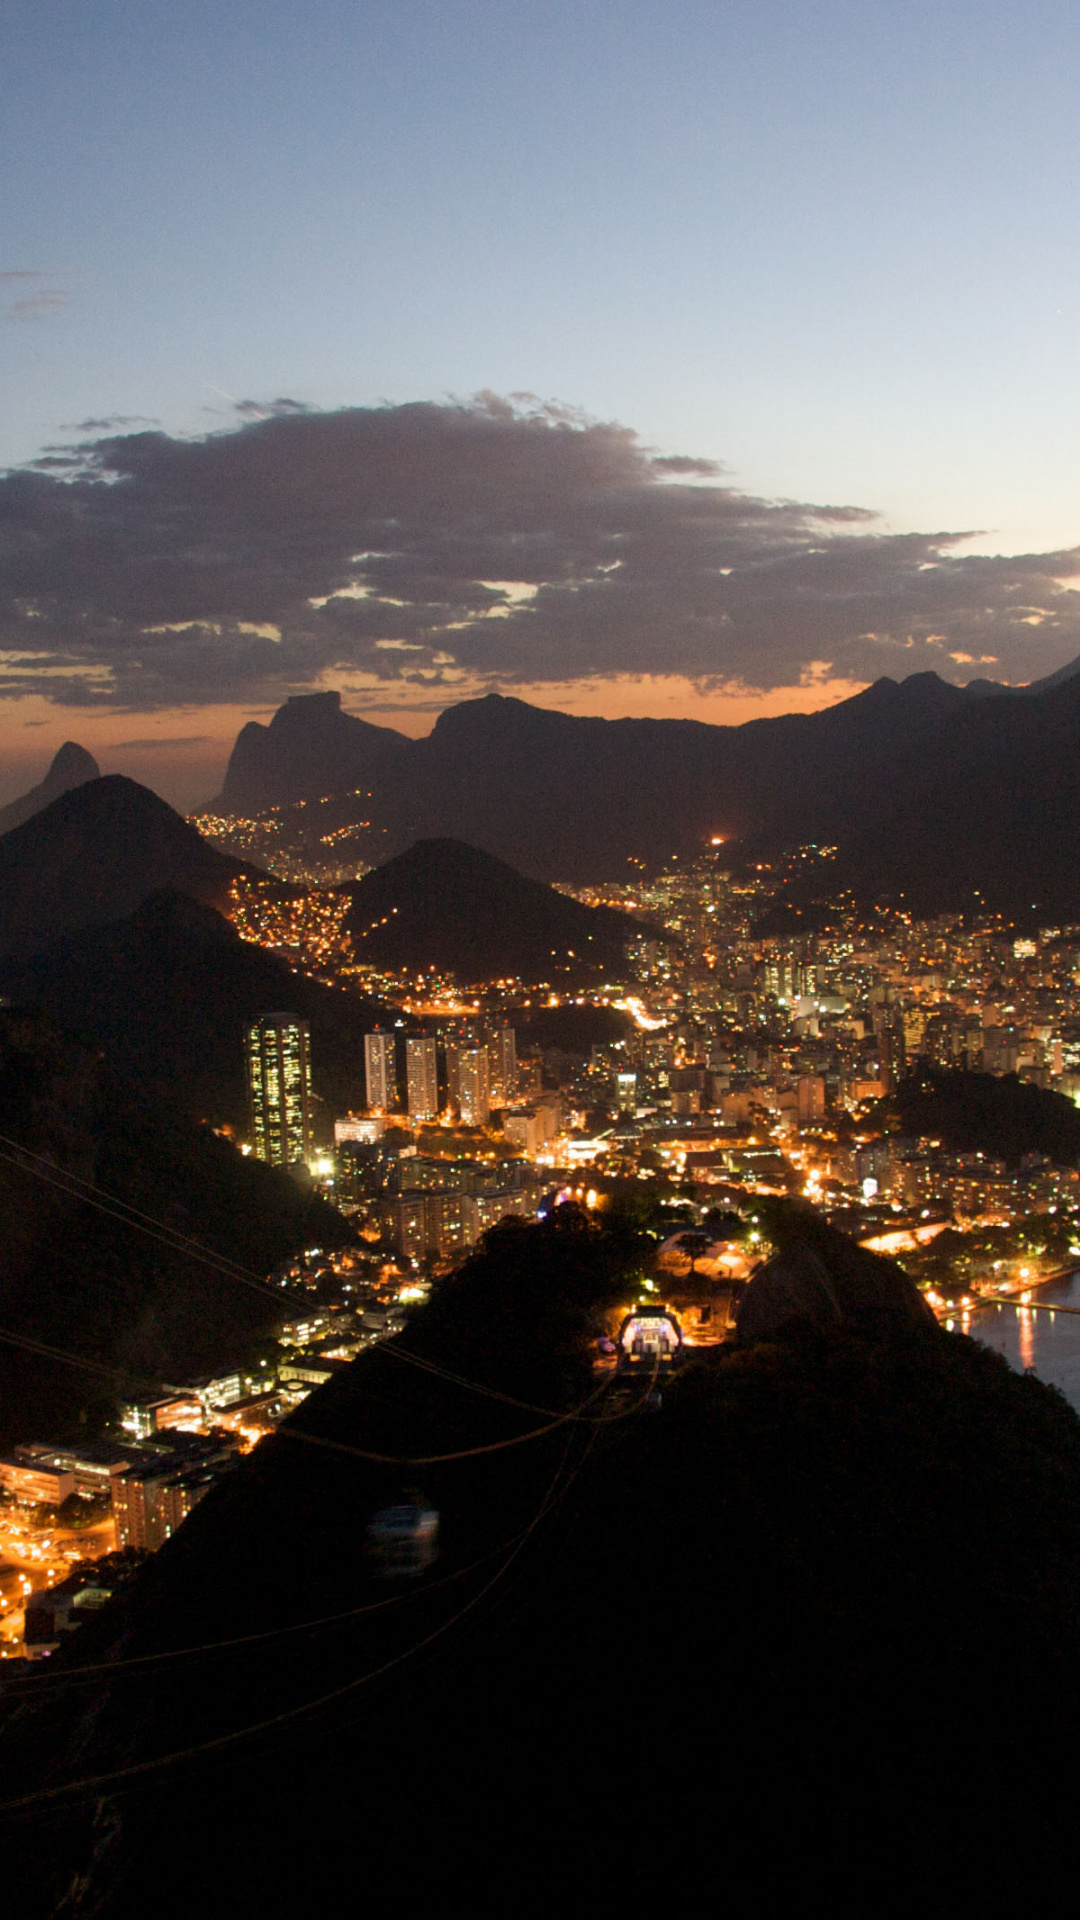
[59,1353]
[97,1782]
[180,1242]
[79,1180]
[172,1238]
[47,1683]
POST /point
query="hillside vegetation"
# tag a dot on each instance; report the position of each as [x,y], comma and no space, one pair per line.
[78,1279]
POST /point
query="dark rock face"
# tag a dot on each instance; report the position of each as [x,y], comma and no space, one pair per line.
[310,748]
[94,855]
[71,767]
[795,1286]
[826,1281]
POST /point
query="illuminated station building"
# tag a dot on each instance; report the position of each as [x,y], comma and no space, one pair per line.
[279,1087]
[649,1337]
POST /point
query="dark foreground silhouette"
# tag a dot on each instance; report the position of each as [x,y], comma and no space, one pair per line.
[805,1630]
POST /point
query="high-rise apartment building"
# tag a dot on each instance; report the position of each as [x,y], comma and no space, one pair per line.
[474,1086]
[502,1056]
[810,1094]
[279,1088]
[380,1071]
[421,1075]
[452,1055]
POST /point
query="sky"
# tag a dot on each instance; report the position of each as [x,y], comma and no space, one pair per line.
[701,359]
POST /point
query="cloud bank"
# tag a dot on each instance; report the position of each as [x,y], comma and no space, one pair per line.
[505,542]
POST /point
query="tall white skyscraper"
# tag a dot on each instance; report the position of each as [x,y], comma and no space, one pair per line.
[475,1086]
[279,1087]
[380,1071]
[421,1073]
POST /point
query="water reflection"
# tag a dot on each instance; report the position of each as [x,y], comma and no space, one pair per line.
[1029,1337]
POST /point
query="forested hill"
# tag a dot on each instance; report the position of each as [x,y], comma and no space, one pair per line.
[168,990]
[447,906]
[74,1277]
[96,853]
[996,1114]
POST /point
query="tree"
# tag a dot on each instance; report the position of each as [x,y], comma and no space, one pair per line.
[695,1243]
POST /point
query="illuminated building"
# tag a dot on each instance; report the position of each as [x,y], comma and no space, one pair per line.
[502,1058]
[626,1092]
[453,1052]
[33,1484]
[421,1075]
[810,1088]
[149,1503]
[380,1071]
[366,1128]
[279,1087]
[475,1086]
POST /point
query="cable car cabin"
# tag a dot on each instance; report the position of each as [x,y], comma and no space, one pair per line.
[649,1337]
[403,1541]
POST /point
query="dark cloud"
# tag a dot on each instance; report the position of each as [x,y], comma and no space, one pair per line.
[514,540]
[108,425]
[268,409]
[159,740]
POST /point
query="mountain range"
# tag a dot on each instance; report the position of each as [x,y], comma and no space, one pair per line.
[935,797]
[927,789]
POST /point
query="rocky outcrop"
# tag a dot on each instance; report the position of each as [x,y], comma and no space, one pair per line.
[824,1280]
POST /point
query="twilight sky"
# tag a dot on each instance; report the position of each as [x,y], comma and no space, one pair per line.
[795,281]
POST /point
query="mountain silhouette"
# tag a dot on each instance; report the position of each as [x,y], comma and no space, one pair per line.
[94,855]
[984,814]
[446,906]
[72,766]
[309,748]
[562,797]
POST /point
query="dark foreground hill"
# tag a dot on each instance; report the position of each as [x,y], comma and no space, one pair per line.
[799,1633]
[168,991]
[73,1277]
[446,906]
[96,853]
[71,767]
